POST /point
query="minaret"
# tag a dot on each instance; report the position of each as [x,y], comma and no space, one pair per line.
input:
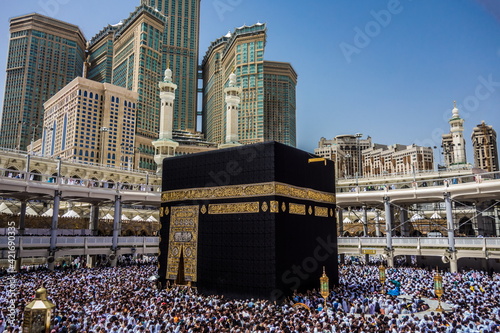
[457,133]
[165,146]
[232,101]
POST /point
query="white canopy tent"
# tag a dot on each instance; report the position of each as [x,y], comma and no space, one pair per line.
[436,216]
[5,209]
[151,219]
[137,218]
[31,211]
[124,218]
[416,217]
[347,220]
[107,217]
[49,212]
[71,213]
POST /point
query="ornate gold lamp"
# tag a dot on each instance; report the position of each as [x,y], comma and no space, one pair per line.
[37,313]
[438,289]
[324,288]
[381,276]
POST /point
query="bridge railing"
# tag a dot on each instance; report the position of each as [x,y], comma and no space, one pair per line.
[138,240]
[27,177]
[445,181]
[354,242]
[36,157]
[387,184]
[32,177]
[90,241]
[460,242]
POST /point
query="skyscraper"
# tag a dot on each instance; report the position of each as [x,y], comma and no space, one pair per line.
[137,64]
[280,81]
[213,120]
[484,143]
[130,55]
[133,54]
[100,55]
[267,108]
[44,55]
[180,49]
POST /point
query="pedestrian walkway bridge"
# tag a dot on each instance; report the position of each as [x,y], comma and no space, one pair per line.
[70,181]
[469,187]
[467,247]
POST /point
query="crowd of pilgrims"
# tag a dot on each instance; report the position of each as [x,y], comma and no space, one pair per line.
[125,299]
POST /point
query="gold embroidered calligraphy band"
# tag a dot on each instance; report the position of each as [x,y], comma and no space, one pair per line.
[248,190]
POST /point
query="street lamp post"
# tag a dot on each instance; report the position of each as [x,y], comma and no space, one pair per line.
[324,286]
[33,132]
[438,289]
[138,158]
[381,275]
[123,156]
[129,151]
[348,157]
[358,136]
[37,313]
[20,124]
[44,138]
[413,172]
[435,155]
[103,131]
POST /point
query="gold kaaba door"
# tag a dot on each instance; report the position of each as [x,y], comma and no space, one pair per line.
[183,244]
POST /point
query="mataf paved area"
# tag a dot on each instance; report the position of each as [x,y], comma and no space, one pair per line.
[124,299]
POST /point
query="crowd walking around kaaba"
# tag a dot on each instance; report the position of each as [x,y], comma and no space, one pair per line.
[125,299]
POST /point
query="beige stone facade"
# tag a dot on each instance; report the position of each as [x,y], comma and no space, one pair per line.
[352,153]
[397,159]
[345,151]
[92,123]
[484,142]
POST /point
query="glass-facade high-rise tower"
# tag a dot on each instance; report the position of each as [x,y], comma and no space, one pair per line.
[280,81]
[180,50]
[44,56]
[100,55]
[137,64]
[134,53]
[267,108]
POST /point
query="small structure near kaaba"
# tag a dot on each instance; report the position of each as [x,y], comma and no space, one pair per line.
[249,221]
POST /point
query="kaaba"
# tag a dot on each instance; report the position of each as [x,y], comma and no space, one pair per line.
[250,221]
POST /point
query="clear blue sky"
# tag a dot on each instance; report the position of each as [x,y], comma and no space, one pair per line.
[388,69]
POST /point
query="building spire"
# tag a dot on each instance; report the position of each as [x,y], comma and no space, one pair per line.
[233,99]
[168,73]
[454,143]
[165,146]
[455,113]
[232,79]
